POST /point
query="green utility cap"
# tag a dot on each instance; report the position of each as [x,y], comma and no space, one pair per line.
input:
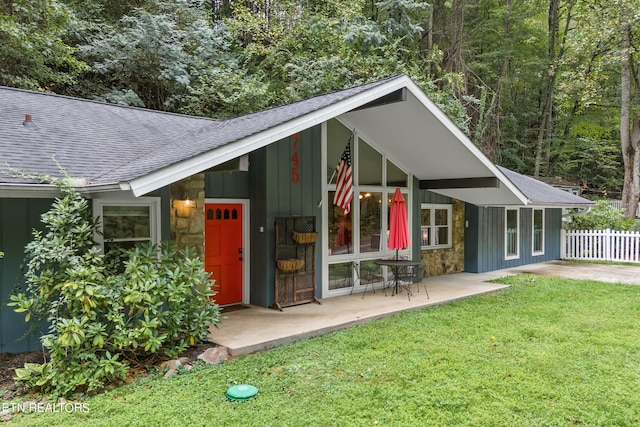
[242,392]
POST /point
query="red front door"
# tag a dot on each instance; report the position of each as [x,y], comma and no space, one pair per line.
[223,250]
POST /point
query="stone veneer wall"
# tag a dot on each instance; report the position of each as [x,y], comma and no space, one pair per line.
[451,260]
[187,223]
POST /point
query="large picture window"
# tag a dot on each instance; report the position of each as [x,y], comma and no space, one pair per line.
[360,235]
[123,224]
[435,226]
[538,232]
[512,234]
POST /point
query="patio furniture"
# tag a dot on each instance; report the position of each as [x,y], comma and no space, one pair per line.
[418,278]
[367,276]
[402,270]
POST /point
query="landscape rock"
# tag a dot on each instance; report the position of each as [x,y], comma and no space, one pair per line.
[171,365]
[170,373]
[215,355]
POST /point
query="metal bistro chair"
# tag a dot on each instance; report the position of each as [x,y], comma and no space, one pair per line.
[419,279]
[412,274]
[367,276]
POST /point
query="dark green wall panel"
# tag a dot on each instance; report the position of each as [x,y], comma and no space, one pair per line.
[18,217]
[431,197]
[282,196]
[227,184]
[484,238]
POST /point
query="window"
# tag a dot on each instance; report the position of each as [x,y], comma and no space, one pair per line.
[436,226]
[123,224]
[370,221]
[512,235]
[361,234]
[538,232]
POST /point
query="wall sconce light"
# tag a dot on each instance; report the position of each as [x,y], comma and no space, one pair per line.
[183,205]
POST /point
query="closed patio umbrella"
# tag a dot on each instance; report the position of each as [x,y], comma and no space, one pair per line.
[398,224]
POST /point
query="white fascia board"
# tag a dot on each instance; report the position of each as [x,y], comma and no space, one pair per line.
[560,205]
[173,173]
[455,130]
[48,191]
[29,191]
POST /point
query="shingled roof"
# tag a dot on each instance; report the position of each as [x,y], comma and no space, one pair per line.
[112,147]
[542,194]
[108,144]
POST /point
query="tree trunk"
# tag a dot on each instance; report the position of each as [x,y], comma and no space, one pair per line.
[493,136]
[630,143]
[454,61]
[547,101]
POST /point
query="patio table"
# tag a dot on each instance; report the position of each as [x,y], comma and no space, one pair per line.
[395,265]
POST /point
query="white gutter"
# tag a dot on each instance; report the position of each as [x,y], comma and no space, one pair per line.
[46,191]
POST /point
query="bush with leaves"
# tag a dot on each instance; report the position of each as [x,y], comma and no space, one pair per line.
[101,319]
[601,217]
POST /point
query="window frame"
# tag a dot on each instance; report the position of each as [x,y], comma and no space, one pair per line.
[507,255]
[533,232]
[432,228]
[153,203]
[329,258]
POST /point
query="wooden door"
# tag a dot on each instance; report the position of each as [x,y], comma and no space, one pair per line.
[223,250]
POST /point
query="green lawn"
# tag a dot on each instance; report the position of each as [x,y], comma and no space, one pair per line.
[547,351]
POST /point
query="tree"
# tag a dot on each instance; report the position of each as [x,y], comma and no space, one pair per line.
[629,117]
[33,52]
[556,43]
[603,70]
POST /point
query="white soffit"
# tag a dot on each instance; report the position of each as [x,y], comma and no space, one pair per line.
[420,139]
[415,134]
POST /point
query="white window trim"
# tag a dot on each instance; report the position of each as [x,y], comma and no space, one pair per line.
[533,229]
[325,203]
[432,227]
[154,211]
[508,256]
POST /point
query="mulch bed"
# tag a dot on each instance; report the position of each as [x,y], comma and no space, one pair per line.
[9,362]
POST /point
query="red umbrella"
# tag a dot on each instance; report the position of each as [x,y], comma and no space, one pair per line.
[398,224]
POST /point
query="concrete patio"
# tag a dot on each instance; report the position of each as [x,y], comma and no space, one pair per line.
[252,329]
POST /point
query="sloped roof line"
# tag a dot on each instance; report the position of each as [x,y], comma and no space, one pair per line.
[539,193]
[107,104]
[217,127]
[235,137]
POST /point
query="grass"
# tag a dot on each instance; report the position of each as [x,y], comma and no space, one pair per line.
[545,352]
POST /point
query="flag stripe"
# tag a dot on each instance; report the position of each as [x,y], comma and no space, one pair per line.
[344,184]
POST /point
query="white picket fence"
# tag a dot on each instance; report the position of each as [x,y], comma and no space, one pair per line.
[601,245]
[618,205]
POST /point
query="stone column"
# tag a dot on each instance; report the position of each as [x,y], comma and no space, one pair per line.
[187,213]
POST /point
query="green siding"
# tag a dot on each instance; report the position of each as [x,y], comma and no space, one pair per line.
[227,185]
[430,197]
[484,238]
[273,194]
[18,217]
[261,271]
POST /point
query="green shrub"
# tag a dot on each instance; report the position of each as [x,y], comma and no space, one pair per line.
[102,319]
[601,217]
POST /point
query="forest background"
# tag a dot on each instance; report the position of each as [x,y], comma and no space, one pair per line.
[548,88]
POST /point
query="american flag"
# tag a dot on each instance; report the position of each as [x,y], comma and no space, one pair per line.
[344,184]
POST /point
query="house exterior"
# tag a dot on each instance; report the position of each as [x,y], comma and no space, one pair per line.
[221,187]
